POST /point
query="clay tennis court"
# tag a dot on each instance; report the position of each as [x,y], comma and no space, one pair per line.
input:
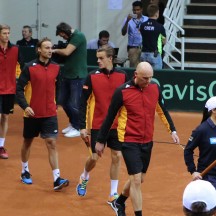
[162,190]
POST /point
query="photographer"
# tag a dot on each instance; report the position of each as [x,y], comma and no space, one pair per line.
[74,74]
[131,26]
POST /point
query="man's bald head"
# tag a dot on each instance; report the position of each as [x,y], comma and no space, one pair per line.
[144,66]
[143,74]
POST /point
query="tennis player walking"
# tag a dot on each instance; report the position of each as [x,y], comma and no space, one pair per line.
[97,92]
[9,56]
[36,94]
[136,101]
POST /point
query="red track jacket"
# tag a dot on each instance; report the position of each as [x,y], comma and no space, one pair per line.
[37,87]
[136,113]
[96,96]
[8,61]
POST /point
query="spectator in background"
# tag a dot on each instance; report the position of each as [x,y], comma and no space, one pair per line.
[27,37]
[161,7]
[102,40]
[203,138]
[153,38]
[74,74]
[199,199]
[9,56]
[131,26]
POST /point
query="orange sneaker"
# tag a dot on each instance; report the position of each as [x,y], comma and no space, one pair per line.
[3,153]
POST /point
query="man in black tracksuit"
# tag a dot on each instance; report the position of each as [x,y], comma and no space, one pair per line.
[203,137]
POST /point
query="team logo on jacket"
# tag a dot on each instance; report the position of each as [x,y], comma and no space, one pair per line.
[190,138]
[127,86]
[213,140]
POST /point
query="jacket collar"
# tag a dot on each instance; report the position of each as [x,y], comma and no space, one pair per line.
[105,71]
[42,63]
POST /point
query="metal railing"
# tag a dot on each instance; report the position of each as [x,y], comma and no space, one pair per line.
[174,14]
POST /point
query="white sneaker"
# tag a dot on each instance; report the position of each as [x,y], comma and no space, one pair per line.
[67,129]
[72,133]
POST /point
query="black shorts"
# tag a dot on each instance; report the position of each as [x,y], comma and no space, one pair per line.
[112,140]
[137,157]
[7,103]
[46,127]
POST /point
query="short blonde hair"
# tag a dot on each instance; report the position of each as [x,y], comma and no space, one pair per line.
[4,26]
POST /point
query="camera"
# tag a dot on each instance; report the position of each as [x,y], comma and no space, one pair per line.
[60,45]
[134,16]
[56,57]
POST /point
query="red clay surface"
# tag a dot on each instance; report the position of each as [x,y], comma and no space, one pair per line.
[162,190]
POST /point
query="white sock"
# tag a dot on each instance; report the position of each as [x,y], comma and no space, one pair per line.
[2,141]
[25,167]
[114,187]
[85,175]
[56,174]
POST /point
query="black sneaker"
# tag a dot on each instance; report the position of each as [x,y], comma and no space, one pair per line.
[119,209]
[26,178]
[60,183]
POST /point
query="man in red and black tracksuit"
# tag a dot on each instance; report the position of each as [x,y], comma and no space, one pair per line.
[136,101]
[36,95]
[9,56]
[96,96]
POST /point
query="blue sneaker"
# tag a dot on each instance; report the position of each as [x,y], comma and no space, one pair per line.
[60,183]
[26,178]
[81,187]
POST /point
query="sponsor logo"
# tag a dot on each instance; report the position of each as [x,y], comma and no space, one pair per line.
[213,140]
[190,138]
[189,90]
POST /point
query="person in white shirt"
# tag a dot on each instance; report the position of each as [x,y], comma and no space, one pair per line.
[102,40]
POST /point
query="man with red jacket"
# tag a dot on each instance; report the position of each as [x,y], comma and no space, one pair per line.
[97,92]
[9,56]
[136,101]
[36,94]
